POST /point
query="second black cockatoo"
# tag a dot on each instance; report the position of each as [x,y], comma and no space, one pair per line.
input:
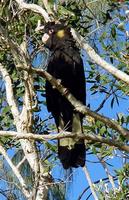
[65,64]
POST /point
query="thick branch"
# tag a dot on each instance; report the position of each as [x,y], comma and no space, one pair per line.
[79,106]
[33,7]
[98,60]
[21,122]
[16,172]
[90,137]
[9,92]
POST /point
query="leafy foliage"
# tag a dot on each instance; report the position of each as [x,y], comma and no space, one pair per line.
[104,26]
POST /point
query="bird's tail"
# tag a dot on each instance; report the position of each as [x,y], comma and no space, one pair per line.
[71,151]
[74,157]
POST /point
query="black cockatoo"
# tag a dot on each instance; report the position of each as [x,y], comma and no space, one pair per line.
[65,64]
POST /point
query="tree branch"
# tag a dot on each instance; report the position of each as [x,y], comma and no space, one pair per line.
[21,162]
[19,119]
[33,7]
[16,172]
[90,137]
[110,177]
[79,106]
[10,93]
[98,60]
[90,182]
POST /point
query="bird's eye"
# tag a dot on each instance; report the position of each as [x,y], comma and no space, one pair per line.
[51,31]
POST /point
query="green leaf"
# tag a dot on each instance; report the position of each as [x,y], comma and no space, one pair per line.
[102,130]
[113,32]
[6,109]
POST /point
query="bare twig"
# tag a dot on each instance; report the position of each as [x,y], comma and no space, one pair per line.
[106,97]
[21,162]
[90,182]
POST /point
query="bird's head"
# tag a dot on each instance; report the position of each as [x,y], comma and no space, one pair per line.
[55,34]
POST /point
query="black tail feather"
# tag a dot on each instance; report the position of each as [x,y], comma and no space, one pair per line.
[74,157]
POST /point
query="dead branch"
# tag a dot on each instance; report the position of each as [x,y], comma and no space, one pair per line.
[89,137]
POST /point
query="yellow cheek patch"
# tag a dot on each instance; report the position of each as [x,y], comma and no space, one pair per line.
[60,33]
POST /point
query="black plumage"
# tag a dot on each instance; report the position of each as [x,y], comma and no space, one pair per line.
[66,65]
